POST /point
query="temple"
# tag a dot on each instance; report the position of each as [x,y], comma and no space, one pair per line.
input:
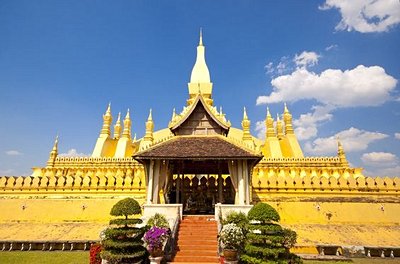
[200,163]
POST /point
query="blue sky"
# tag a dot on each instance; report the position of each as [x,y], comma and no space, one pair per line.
[337,66]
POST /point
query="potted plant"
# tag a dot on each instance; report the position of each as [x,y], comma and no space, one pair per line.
[154,239]
[231,238]
[122,241]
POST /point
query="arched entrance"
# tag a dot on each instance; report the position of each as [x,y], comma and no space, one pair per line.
[198,193]
[187,165]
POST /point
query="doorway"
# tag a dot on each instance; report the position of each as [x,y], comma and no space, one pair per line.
[200,192]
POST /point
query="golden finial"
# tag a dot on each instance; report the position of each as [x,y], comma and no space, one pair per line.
[173,114]
[201,37]
[268,113]
[149,128]
[127,125]
[246,127]
[245,114]
[279,128]
[285,109]
[55,146]
[53,153]
[117,127]
[108,111]
[342,154]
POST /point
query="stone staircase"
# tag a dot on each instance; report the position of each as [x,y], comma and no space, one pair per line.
[197,240]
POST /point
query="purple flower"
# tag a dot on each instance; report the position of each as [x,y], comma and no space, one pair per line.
[155,237]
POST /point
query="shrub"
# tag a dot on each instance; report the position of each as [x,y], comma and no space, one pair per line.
[155,238]
[267,241]
[158,220]
[94,254]
[231,237]
[239,219]
[123,240]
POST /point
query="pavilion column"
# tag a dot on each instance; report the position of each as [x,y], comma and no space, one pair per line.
[246,182]
[150,176]
[156,188]
[178,188]
[183,196]
[241,187]
[220,183]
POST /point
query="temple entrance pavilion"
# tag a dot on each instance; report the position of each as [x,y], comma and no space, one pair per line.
[198,171]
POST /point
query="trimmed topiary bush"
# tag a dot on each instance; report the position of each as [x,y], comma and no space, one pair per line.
[239,219]
[266,241]
[123,240]
[158,220]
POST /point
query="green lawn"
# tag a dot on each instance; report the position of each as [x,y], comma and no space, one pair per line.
[357,261]
[82,257]
[44,257]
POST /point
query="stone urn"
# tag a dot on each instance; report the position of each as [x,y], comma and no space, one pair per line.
[155,260]
[156,255]
[230,254]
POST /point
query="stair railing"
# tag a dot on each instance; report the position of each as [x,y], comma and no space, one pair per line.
[169,248]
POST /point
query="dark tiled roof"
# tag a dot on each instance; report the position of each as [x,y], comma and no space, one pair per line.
[196,147]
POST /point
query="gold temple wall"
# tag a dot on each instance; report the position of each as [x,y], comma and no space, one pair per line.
[317,197]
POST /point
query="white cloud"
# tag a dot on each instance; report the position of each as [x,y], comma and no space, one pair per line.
[379,159]
[260,129]
[397,135]
[394,171]
[306,125]
[352,139]
[306,58]
[331,47]
[269,68]
[73,153]
[13,153]
[361,86]
[6,172]
[365,15]
[383,172]
[284,66]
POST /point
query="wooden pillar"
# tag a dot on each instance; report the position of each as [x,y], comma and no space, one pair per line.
[220,188]
[178,188]
[183,196]
[156,183]
[150,182]
[241,189]
[246,182]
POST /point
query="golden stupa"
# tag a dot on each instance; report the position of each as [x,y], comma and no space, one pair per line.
[201,155]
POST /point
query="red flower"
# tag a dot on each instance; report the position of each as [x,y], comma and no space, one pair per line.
[95,250]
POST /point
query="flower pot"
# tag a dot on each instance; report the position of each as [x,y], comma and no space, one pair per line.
[156,252]
[156,260]
[230,254]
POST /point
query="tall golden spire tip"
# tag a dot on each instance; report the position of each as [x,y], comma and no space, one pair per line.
[201,37]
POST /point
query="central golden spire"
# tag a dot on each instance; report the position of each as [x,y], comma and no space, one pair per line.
[200,73]
[200,82]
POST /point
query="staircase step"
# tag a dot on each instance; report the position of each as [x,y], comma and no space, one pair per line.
[194,237]
[197,240]
[191,246]
[195,252]
[210,242]
[196,259]
[193,231]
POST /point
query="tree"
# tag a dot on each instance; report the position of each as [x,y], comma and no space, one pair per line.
[123,240]
[266,241]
